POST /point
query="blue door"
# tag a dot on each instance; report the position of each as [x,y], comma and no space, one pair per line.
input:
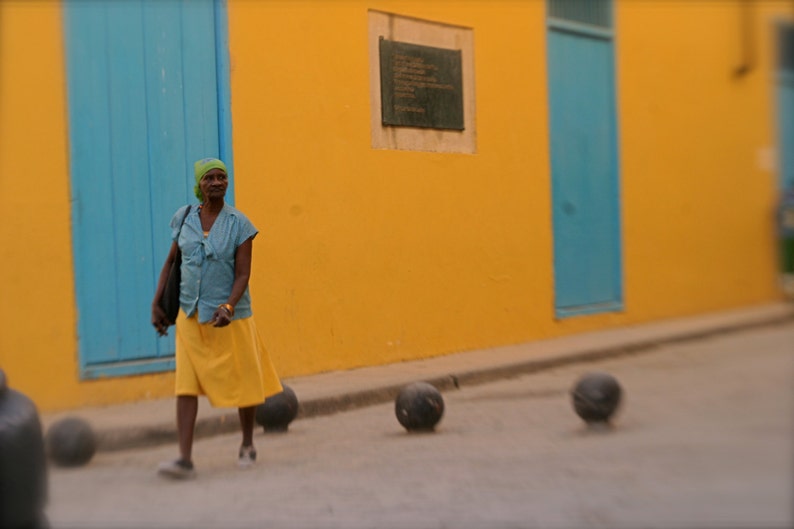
[147,96]
[584,165]
[785,94]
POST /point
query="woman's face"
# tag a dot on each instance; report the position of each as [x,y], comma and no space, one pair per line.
[213,184]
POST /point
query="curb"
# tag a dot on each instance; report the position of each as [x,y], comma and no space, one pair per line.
[139,437]
[327,406]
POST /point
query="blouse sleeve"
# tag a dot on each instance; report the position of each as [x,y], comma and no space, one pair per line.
[246,230]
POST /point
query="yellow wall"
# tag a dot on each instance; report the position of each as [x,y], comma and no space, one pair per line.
[377,255]
[698,194]
[370,256]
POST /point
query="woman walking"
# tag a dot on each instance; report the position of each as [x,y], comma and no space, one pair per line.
[218,350]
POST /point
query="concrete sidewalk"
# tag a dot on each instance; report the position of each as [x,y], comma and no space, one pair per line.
[152,422]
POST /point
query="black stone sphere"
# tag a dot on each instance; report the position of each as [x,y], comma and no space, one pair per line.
[275,414]
[419,406]
[596,397]
[70,442]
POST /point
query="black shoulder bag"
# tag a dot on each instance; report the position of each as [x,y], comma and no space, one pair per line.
[169,301]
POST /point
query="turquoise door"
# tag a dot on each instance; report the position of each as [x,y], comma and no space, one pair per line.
[584,165]
[147,96]
[785,94]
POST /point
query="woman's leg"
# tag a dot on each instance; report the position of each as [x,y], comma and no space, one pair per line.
[247,416]
[182,468]
[186,411]
[247,454]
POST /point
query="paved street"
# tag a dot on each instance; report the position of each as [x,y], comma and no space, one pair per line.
[704,440]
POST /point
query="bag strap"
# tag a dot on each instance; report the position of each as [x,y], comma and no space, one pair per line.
[183,220]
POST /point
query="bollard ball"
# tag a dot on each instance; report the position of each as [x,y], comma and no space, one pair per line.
[596,397]
[70,442]
[278,411]
[419,407]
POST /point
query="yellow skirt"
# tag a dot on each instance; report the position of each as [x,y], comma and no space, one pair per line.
[229,365]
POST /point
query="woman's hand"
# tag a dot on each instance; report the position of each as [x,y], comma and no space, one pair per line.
[159,320]
[222,317]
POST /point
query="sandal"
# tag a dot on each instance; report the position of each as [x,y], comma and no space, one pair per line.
[178,469]
[246,456]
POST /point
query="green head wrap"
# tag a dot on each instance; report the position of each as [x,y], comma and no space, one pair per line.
[202,167]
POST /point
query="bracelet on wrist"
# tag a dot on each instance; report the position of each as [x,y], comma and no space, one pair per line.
[228,308]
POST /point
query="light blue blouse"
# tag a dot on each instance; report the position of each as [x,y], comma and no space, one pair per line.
[208,262]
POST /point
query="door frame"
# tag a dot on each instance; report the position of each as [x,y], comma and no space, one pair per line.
[557,25]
